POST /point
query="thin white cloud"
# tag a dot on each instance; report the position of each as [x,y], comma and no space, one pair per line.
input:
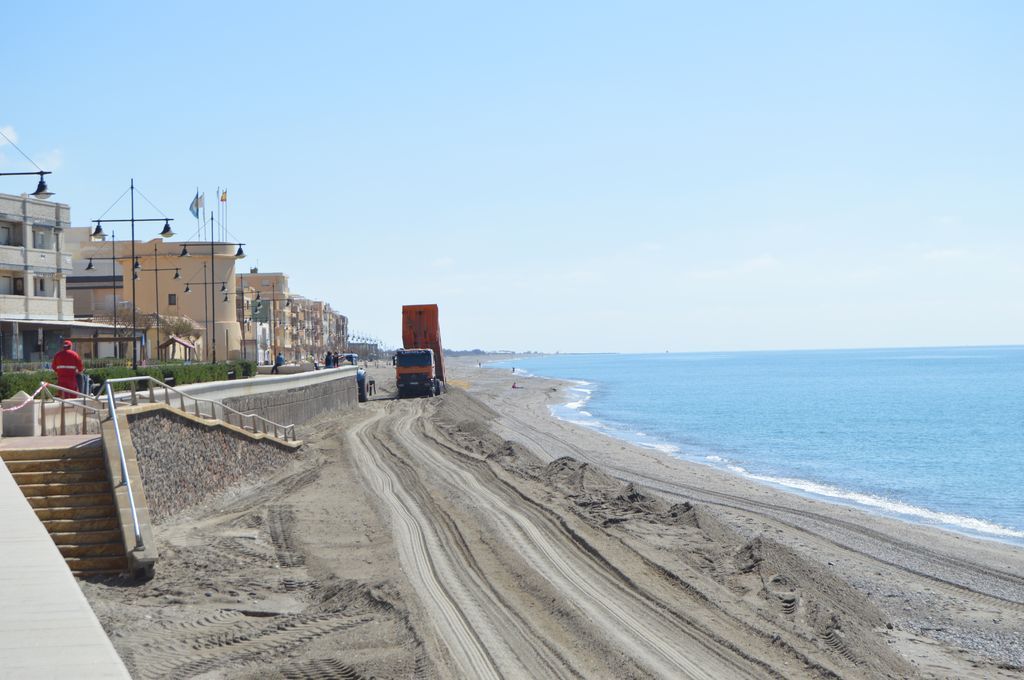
[740,269]
[945,254]
[8,132]
[443,263]
[51,160]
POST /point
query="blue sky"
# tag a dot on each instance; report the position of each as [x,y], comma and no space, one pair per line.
[565,176]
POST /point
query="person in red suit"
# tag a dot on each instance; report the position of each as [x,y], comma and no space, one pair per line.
[67,365]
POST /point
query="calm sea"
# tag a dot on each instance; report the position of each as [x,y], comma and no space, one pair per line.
[934,436]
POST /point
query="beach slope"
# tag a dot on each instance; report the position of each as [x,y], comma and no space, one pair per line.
[472,535]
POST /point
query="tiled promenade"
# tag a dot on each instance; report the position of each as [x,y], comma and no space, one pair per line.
[47,629]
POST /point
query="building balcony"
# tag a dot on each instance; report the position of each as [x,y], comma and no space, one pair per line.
[30,308]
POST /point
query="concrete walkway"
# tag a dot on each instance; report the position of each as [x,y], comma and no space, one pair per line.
[47,629]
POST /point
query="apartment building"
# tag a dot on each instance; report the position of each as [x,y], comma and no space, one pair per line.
[278,320]
[36,312]
[270,306]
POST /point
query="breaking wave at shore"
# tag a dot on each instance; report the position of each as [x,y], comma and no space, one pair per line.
[572,412]
[953,512]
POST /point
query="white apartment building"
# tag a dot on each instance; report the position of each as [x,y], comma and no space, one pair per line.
[35,310]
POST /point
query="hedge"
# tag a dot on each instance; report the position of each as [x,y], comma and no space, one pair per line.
[183,374]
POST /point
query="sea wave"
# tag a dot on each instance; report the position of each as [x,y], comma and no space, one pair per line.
[886,505]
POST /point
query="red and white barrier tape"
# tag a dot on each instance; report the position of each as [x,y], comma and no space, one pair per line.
[27,401]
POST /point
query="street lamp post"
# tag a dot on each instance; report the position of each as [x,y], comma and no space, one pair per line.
[273,314]
[156,283]
[97,235]
[165,233]
[239,254]
[207,301]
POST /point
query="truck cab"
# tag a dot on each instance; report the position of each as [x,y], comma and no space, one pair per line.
[415,373]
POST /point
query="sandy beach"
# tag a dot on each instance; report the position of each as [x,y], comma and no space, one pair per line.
[475,536]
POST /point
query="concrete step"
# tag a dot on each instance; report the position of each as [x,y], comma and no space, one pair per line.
[67,501]
[78,512]
[56,464]
[81,537]
[57,488]
[87,566]
[94,474]
[92,549]
[60,526]
[8,454]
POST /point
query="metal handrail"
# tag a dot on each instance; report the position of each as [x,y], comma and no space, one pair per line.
[125,480]
[255,420]
[44,389]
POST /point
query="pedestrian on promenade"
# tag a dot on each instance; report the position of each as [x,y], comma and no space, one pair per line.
[328,361]
[67,364]
[278,363]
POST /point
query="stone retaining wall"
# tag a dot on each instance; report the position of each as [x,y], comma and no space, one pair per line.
[297,405]
[184,461]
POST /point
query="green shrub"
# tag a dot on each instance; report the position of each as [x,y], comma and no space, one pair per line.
[24,381]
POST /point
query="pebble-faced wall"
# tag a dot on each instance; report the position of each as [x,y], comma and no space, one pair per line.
[183,462]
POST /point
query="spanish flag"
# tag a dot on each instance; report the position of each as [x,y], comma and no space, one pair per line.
[224,196]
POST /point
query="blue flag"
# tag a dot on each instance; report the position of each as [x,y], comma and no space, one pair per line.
[197,205]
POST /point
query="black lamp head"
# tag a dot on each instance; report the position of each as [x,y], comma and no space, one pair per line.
[41,190]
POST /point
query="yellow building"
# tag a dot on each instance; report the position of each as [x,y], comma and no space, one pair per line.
[191,279]
[173,280]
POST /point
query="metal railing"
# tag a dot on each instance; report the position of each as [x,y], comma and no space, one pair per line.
[125,479]
[70,401]
[247,421]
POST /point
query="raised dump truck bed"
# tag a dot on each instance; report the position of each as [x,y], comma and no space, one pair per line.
[421,330]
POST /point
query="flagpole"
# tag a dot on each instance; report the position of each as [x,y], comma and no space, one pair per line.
[198,211]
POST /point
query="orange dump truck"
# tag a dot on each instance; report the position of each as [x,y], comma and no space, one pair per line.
[419,368]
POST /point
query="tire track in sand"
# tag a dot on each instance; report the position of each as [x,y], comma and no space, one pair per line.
[627,616]
[466,617]
[417,549]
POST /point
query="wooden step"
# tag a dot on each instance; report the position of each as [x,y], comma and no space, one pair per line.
[44,453]
[60,526]
[65,489]
[92,549]
[81,537]
[94,474]
[78,512]
[65,501]
[52,464]
[84,566]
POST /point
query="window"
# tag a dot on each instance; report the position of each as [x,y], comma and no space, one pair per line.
[172,299]
[42,239]
[5,235]
[41,285]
